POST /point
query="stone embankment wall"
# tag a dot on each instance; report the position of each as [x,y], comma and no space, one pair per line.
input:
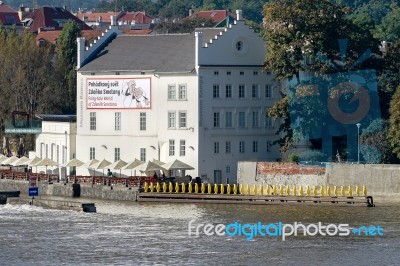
[66,190]
[380,179]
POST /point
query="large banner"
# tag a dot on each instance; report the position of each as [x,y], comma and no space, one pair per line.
[118,93]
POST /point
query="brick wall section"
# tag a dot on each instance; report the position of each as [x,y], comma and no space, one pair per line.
[273,168]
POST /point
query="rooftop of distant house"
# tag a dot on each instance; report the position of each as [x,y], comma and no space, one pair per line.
[121,17]
[216,15]
[50,18]
[8,16]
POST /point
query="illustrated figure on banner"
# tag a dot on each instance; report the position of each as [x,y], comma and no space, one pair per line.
[137,94]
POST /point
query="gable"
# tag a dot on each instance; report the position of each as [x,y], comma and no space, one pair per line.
[237,45]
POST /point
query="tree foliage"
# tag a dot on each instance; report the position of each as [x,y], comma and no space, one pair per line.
[375,146]
[394,130]
[66,64]
[296,32]
[389,29]
[27,83]
[26,76]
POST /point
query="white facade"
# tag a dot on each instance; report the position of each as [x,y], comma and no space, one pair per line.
[210,118]
[56,142]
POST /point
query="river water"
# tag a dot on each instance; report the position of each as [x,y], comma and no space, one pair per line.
[130,233]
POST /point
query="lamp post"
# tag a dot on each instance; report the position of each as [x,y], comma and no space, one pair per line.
[65,156]
[358,142]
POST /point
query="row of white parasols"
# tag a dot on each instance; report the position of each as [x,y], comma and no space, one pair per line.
[94,164]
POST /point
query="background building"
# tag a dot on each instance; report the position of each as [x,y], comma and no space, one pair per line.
[200,98]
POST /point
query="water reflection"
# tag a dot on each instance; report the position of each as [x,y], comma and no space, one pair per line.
[127,233]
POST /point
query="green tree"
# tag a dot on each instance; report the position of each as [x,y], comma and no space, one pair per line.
[375,146]
[296,31]
[389,77]
[26,80]
[66,63]
[389,29]
[394,129]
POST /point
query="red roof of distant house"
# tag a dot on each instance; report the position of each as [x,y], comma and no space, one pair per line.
[94,16]
[52,36]
[137,32]
[138,17]
[8,16]
[215,15]
[52,17]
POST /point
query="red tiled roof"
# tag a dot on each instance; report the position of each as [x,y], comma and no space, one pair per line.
[6,9]
[215,15]
[94,16]
[46,17]
[137,32]
[51,36]
[8,16]
[139,17]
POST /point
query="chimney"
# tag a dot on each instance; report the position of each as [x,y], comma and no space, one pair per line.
[113,20]
[199,45]
[81,51]
[239,15]
[190,12]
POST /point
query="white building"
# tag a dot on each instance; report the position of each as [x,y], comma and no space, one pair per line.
[200,98]
[56,142]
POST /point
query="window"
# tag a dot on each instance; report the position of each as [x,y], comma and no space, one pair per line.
[227,147]
[182,147]
[255,146]
[10,20]
[241,146]
[171,119]
[216,73]
[215,91]
[242,92]
[92,153]
[52,151]
[239,46]
[117,120]
[216,119]
[241,73]
[269,145]
[228,169]
[58,154]
[182,119]
[117,154]
[255,119]
[255,73]
[216,147]
[47,150]
[64,154]
[142,121]
[228,73]
[41,149]
[92,120]
[228,119]
[143,154]
[182,92]
[254,91]
[268,121]
[268,92]
[171,92]
[228,91]
[242,119]
[171,147]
